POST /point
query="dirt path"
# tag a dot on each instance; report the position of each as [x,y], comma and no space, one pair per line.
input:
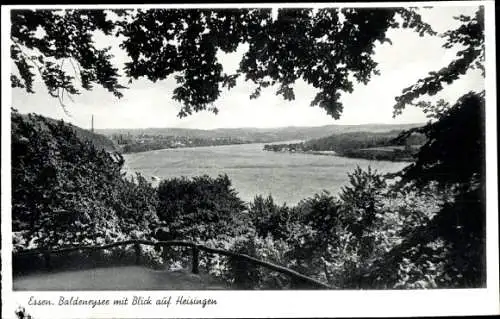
[118,278]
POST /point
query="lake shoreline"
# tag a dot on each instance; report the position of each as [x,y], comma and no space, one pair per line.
[367,156]
[288,177]
[191,147]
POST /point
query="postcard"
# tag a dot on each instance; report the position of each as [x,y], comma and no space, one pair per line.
[249,160]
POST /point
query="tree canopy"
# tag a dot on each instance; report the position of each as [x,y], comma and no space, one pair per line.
[43,40]
[461,123]
[469,36]
[327,48]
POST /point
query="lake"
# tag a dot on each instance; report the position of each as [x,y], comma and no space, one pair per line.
[288,177]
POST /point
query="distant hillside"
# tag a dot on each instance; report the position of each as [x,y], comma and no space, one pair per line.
[363,144]
[263,134]
[100,141]
[359,140]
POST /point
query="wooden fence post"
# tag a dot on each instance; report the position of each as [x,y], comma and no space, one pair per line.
[165,253]
[137,248]
[46,255]
[195,260]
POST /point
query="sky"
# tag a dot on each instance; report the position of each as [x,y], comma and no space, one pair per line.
[146,104]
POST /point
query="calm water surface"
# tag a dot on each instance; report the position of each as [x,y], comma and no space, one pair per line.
[288,177]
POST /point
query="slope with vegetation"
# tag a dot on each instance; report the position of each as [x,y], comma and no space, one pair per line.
[100,141]
[67,191]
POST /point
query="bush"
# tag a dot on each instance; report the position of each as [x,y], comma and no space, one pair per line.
[246,275]
[269,218]
[200,208]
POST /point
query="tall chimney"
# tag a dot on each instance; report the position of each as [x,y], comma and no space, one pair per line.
[92,124]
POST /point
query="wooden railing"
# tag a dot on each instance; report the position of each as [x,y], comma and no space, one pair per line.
[296,277]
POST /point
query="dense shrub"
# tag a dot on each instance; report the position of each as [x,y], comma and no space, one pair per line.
[344,241]
[361,202]
[436,249]
[271,219]
[200,208]
[457,230]
[316,229]
[246,275]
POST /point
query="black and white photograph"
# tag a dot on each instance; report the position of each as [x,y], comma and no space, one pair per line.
[247,149]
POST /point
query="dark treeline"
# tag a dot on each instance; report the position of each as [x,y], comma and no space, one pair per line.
[368,145]
[374,234]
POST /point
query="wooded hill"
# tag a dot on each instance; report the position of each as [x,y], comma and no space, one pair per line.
[263,135]
[100,141]
[67,189]
[368,145]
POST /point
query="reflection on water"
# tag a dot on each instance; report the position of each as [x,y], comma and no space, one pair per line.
[288,177]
